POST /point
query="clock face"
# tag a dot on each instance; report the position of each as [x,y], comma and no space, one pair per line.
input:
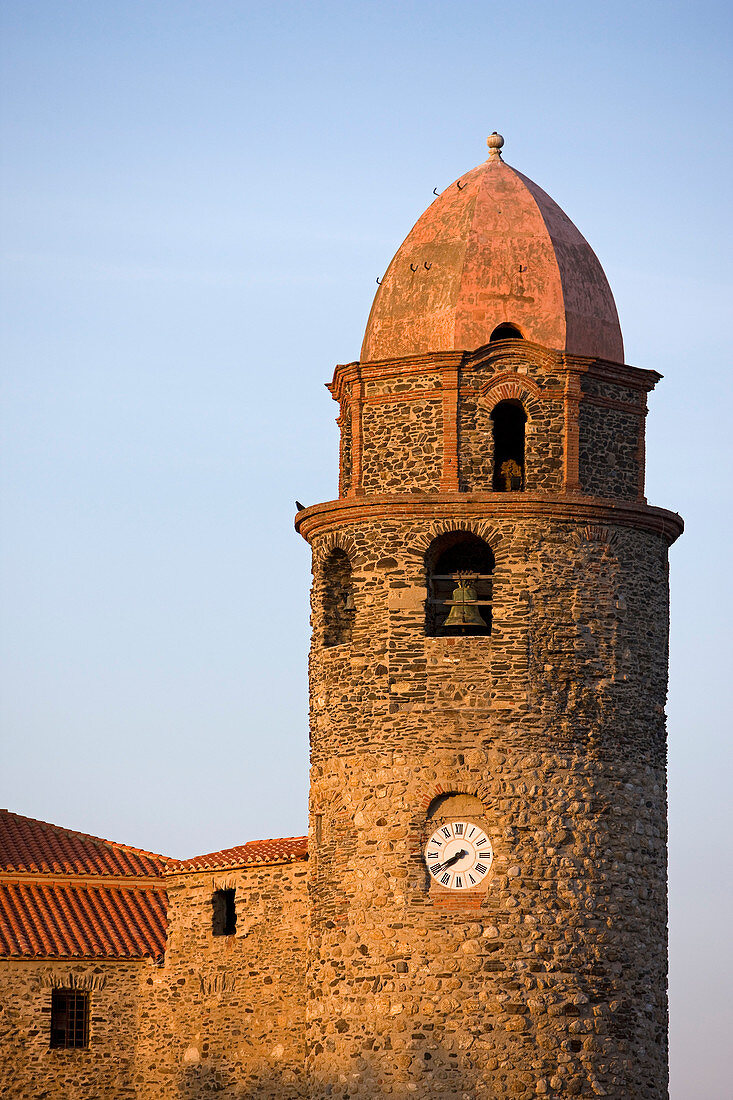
[459,855]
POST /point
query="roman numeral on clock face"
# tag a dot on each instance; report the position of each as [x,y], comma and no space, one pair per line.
[458,855]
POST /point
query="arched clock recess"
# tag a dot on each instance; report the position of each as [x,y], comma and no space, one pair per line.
[458,848]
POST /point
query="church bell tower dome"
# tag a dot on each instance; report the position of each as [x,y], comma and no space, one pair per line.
[493,249]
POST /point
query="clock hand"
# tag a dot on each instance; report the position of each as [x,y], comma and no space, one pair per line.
[453,859]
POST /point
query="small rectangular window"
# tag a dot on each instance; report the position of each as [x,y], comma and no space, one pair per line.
[69,1018]
[224,922]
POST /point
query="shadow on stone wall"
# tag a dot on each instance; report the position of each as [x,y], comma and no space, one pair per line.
[438,1077]
[204,1080]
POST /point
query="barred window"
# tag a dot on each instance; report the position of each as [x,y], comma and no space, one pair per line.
[69,1018]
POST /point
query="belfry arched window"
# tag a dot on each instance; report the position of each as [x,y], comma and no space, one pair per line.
[459,568]
[505,331]
[338,599]
[508,420]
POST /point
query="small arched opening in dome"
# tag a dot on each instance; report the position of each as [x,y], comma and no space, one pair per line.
[505,331]
[508,419]
[459,570]
[338,599]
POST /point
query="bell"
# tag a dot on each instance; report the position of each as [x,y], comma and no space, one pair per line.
[511,475]
[463,608]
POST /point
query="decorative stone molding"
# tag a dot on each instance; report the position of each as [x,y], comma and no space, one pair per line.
[224,882]
[70,979]
[216,984]
[595,533]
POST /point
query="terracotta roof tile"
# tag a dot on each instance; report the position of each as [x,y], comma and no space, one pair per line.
[30,845]
[45,917]
[282,850]
[48,920]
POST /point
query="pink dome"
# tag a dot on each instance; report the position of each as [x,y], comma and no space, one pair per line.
[493,249]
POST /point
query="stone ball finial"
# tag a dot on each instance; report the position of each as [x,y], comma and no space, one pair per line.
[495,142]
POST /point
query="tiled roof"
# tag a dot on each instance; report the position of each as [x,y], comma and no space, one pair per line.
[65,894]
[48,920]
[36,846]
[283,850]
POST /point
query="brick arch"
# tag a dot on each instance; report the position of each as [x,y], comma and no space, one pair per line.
[323,795]
[596,534]
[335,540]
[450,790]
[448,785]
[482,528]
[510,386]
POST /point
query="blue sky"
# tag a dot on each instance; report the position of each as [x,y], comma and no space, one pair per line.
[196,201]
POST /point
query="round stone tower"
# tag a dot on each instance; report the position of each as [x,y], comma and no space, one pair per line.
[488,678]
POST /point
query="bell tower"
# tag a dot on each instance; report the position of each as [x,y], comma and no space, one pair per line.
[488,670]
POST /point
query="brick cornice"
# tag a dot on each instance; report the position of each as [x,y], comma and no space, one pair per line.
[501,352]
[346,373]
[569,508]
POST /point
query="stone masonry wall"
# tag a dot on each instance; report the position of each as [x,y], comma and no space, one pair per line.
[609,460]
[30,1069]
[611,441]
[391,431]
[345,465]
[544,431]
[411,427]
[551,982]
[226,1014]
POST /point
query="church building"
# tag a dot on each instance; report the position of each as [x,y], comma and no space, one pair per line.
[479,910]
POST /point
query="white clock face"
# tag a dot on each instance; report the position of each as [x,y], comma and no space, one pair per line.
[459,855]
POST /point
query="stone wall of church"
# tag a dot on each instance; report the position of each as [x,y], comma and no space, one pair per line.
[550,981]
[402,447]
[545,428]
[409,428]
[226,1013]
[29,1068]
[611,440]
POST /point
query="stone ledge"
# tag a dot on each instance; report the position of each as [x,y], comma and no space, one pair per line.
[568,508]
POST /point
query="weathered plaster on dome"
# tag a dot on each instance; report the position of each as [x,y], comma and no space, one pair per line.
[493,247]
